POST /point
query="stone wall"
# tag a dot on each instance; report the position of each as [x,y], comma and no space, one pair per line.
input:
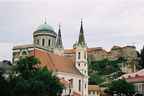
[129,53]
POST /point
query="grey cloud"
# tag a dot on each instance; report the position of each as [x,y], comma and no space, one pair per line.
[106,22]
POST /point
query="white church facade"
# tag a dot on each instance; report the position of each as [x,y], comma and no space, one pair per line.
[48,48]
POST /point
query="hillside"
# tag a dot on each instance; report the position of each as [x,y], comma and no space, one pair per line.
[105,70]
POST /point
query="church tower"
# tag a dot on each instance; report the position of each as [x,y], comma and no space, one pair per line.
[81,60]
[59,49]
[81,53]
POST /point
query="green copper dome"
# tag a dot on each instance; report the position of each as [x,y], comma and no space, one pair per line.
[45,27]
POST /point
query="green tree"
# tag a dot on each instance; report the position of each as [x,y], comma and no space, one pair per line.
[26,67]
[105,66]
[104,70]
[95,79]
[4,85]
[30,80]
[141,62]
[121,87]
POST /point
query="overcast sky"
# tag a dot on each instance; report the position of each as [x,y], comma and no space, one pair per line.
[106,22]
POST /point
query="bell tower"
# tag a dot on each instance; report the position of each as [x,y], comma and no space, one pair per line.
[81,60]
[81,53]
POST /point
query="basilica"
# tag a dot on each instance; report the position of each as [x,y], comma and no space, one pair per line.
[71,65]
[48,47]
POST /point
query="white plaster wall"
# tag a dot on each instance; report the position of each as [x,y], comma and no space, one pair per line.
[76,78]
[83,60]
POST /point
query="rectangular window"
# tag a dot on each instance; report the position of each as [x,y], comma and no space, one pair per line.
[78,55]
[79,85]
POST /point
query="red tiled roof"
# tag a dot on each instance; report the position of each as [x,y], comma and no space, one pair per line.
[135,79]
[55,62]
[72,51]
[69,51]
[138,73]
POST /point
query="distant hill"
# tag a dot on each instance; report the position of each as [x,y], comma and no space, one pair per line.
[103,71]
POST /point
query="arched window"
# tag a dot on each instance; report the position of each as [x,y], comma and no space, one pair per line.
[79,64]
[79,55]
[24,53]
[37,41]
[85,71]
[49,42]
[84,55]
[71,83]
[43,42]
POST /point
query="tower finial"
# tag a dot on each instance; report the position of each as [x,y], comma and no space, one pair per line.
[45,22]
[59,26]
[81,21]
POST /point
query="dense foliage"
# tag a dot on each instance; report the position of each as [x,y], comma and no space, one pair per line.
[4,86]
[121,88]
[141,63]
[27,79]
[105,67]
[96,79]
[104,70]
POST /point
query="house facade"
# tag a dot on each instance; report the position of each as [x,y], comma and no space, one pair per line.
[137,79]
[94,90]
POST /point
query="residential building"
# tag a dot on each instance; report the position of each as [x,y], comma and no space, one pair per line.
[94,90]
[136,78]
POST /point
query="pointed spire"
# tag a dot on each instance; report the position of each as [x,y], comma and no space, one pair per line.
[81,39]
[59,43]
